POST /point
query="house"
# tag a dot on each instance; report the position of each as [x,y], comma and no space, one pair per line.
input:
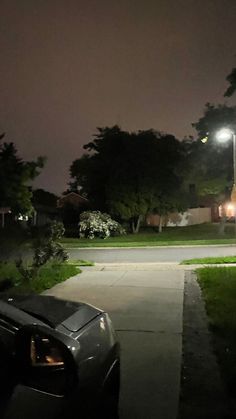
[44,214]
[72,199]
[45,207]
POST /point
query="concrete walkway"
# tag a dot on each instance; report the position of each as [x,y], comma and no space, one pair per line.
[145,302]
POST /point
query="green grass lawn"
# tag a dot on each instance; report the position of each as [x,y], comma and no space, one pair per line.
[80,262]
[210,261]
[48,276]
[11,240]
[190,235]
[219,292]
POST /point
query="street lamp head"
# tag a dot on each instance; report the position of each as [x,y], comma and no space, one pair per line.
[224,134]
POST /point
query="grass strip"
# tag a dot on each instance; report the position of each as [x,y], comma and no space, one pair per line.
[219,291]
[48,276]
[203,234]
[209,261]
[78,243]
[79,262]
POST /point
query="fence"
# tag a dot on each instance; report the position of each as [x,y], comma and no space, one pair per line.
[190,217]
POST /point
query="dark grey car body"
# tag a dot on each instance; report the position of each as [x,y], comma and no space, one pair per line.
[87,333]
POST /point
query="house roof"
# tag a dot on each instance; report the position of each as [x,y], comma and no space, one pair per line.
[72,198]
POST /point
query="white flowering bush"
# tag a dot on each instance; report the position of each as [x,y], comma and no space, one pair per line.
[97,224]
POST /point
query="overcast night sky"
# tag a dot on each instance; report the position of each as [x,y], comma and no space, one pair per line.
[68,66]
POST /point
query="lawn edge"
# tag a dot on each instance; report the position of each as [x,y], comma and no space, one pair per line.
[202,390]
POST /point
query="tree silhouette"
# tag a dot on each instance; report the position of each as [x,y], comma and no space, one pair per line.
[130,174]
[15,175]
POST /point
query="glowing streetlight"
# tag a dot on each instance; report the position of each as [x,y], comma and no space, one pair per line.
[222,136]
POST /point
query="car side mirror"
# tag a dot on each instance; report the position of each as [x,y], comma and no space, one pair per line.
[45,361]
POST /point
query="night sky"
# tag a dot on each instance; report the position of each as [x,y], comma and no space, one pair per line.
[68,66]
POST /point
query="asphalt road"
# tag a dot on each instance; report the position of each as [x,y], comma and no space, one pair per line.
[157,254]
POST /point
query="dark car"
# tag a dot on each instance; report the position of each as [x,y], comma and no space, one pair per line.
[57,358]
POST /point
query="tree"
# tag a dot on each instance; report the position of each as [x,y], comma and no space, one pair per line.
[15,175]
[231,78]
[44,198]
[128,174]
[150,180]
[212,161]
[90,173]
[214,118]
[212,166]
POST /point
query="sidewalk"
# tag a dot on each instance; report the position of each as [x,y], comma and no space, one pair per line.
[145,302]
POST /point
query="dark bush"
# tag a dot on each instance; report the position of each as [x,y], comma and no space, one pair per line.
[45,248]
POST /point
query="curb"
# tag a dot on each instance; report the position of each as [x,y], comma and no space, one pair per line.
[150,247]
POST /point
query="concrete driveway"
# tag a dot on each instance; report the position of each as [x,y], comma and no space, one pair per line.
[145,303]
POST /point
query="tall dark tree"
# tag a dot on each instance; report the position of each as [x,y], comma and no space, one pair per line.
[90,173]
[15,175]
[45,198]
[211,161]
[214,118]
[130,174]
[231,78]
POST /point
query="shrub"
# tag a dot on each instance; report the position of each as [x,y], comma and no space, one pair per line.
[72,230]
[46,248]
[97,224]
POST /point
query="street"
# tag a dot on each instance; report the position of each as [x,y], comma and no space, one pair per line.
[151,254]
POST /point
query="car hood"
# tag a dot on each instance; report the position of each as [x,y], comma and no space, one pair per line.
[53,311]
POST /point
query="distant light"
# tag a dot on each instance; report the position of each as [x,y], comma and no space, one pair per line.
[224,134]
[229,206]
[204,140]
[22,217]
